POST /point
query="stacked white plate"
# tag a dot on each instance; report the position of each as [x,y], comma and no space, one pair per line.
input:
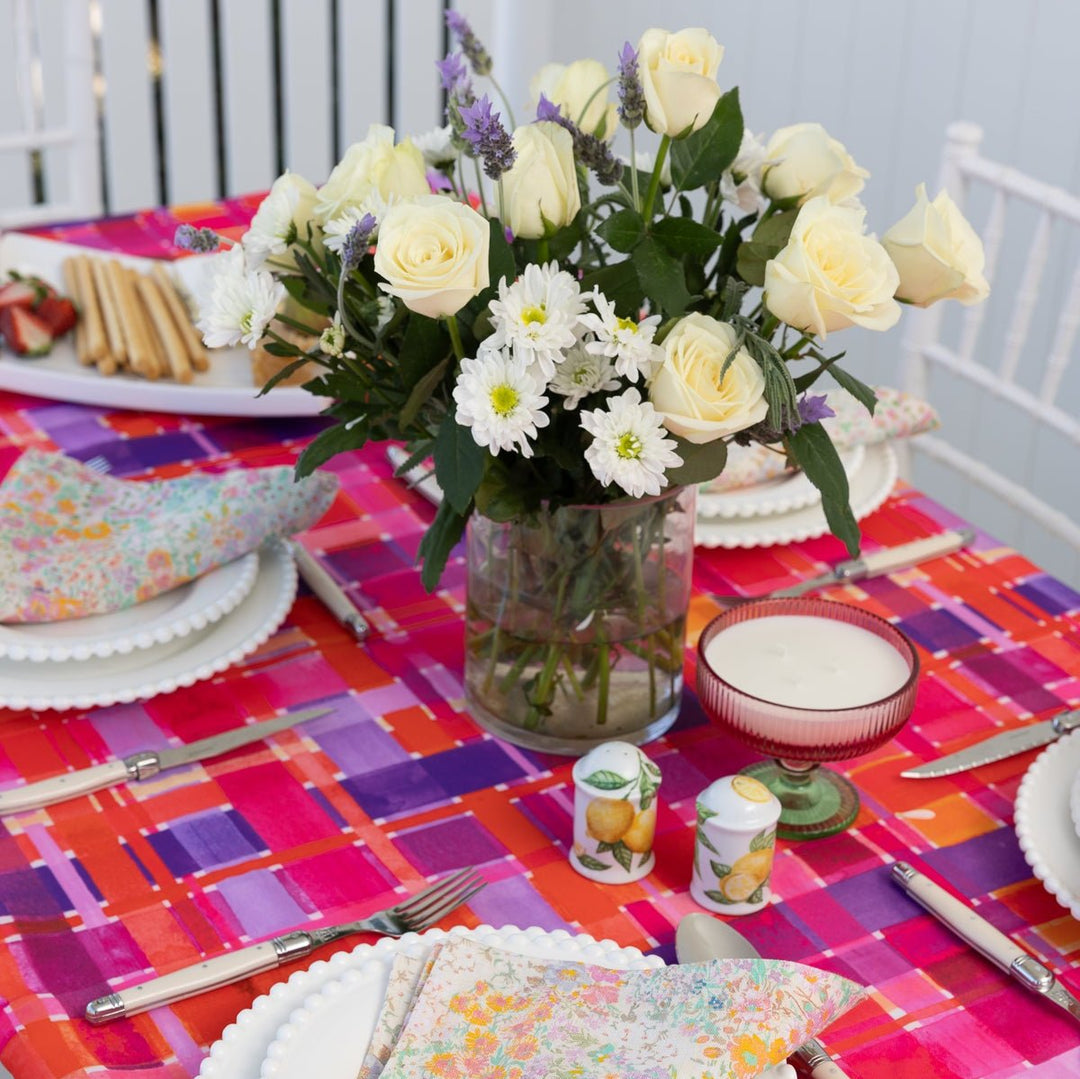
[788,509]
[175,639]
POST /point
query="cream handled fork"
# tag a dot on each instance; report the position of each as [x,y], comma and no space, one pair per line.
[409,916]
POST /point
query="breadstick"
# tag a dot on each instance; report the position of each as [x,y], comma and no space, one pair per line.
[97,346]
[140,355]
[167,331]
[71,285]
[110,310]
[192,341]
[161,362]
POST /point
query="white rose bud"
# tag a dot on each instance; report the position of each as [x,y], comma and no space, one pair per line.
[688,392]
[804,161]
[571,87]
[678,75]
[938,254]
[830,275]
[542,182]
[433,254]
[372,175]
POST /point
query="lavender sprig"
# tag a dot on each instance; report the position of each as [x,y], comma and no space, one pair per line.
[631,93]
[488,138]
[202,241]
[356,242]
[452,71]
[593,153]
[813,408]
[478,56]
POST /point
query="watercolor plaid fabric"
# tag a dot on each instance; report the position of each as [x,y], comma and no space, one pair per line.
[398,786]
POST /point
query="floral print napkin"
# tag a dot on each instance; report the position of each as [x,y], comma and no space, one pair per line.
[483,1011]
[897,415]
[76,543]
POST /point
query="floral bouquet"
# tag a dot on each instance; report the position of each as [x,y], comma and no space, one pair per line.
[557,327]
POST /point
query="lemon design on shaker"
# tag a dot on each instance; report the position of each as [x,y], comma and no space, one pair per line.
[753,790]
[621,829]
[745,879]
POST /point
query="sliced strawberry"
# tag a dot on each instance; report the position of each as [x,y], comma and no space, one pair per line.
[58,313]
[18,294]
[24,332]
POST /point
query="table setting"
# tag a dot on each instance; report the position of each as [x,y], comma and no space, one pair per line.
[545,671]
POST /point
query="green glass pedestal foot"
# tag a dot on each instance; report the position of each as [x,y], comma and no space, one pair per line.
[817,802]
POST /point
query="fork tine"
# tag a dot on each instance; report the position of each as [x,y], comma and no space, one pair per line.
[433,911]
[432,891]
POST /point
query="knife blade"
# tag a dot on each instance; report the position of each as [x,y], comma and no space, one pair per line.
[988,941]
[997,747]
[144,764]
[420,479]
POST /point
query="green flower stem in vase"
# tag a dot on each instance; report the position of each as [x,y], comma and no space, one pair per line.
[576,620]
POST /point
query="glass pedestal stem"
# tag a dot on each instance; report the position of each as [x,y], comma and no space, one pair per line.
[816,802]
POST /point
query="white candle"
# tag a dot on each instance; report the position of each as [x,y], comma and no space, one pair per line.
[807,662]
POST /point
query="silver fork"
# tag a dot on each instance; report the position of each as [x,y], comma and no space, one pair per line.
[409,916]
[99,464]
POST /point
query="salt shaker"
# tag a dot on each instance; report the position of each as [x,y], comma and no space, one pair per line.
[733,852]
[615,788]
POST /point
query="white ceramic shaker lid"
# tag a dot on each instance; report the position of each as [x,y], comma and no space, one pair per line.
[741,802]
[616,766]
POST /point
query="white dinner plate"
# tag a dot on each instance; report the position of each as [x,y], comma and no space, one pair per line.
[226,389]
[176,613]
[870,486]
[244,1045]
[1044,825]
[781,494]
[164,667]
[1074,802]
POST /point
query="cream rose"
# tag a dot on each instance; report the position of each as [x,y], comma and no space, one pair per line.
[373,175]
[433,254]
[830,275]
[694,402]
[572,87]
[938,254]
[803,161]
[542,182]
[678,74]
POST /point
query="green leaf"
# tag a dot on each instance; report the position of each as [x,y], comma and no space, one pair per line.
[814,452]
[459,462]
[423,344]
[703,155]
[592,863]
[603,848]
[756,895]
[623,230]
[438,542]
[704,814]
[606,780]
[661,277]
[768,240]
[720,869]
[275,348]
[856,387]
[618,281]
[645,856]
[719,897]
[623,855]
[750,262]
[500,255]
[764,840]
[776,230]
[701,463]
[704,840]
[283,373]
[330,443]
[682,236]
[420,393]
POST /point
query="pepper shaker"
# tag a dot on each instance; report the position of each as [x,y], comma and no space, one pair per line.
[733,851]
[615,788]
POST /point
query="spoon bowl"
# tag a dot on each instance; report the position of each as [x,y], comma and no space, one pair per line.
[701,937]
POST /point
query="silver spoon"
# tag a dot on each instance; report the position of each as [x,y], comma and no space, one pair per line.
[701,937]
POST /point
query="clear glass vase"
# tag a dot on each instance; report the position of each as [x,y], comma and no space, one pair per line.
[575,622]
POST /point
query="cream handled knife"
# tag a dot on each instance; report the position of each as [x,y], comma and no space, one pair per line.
[144,764]
[420,479]
[989,942]
[998,747]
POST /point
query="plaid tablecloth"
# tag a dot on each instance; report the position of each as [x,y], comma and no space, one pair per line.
[398,785]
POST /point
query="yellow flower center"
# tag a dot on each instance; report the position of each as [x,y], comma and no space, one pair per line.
[536,313]
[627,324]
[628,447]
[504,399]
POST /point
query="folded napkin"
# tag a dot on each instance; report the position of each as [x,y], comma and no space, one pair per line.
[75,543]
[484,1011]
[897,415]
[408,974]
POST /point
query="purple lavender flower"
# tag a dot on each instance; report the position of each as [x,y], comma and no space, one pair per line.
[631,94]
[590,151]
[356,242]
[813,408]
[548,111]
[488,138]
[470,43]
[189,238]
[452,71]
[438,181]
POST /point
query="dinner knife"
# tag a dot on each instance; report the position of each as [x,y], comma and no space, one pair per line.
[988,941]
[420,479]
[329,591]
[144,764]
[997,747]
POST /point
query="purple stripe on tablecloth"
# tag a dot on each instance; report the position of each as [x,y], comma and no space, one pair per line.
[471,767]
[262,904]
[362,747]
[1054,597]
[518,895]
[450,844]
[69,881]
[983,864]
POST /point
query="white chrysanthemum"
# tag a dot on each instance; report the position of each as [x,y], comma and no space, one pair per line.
[281,219]
[628,342]
[332,339]
[582,373]
[537,316]
[238,304]
[741,184]
[629,445]
[499,400]
[336,231]
[437,146]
